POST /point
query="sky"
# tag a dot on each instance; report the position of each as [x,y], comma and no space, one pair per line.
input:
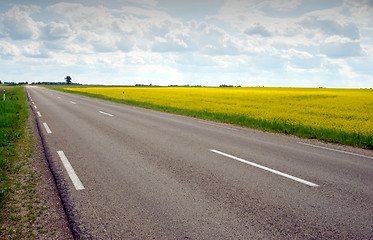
[287,43]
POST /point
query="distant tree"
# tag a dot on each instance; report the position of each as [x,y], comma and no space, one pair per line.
[10,83]
[1,82]
[68,80]
[225,85]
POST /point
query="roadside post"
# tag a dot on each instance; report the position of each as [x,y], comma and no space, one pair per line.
[123,94]
[4,95]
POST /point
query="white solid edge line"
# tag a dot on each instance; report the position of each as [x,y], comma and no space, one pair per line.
[216,125]
[266,168]
[108,114]
[336,150]
[38,113]
[47,128]
[74,178]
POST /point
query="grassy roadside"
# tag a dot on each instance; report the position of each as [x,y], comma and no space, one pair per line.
[25,212]
[352,139]
[13,116]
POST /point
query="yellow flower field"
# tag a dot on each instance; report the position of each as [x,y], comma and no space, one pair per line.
[348,110]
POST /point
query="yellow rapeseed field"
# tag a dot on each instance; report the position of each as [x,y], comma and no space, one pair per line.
[348,110]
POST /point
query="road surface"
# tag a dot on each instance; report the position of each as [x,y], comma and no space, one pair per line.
[131,173]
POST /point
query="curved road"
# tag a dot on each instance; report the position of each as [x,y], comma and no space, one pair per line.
[131,173]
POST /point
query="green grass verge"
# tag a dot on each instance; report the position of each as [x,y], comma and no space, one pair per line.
[22,214]
[328,135]
[13,116]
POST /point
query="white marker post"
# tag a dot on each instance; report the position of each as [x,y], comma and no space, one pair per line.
[4,95]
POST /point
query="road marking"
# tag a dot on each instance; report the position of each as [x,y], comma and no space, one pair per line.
[74,178]
[73,102]
[59,97]
[106,113]
[336,150]
[266,168]
[47,128]
[38,113]
[216,125]
[35,107]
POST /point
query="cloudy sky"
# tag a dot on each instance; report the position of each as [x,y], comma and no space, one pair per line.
[298,43]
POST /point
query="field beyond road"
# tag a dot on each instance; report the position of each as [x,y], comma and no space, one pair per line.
[333,115]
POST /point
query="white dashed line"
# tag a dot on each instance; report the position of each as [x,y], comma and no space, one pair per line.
[267,169]
[108,114]
[73,102]
[74,178]
[38,113]
[47,128]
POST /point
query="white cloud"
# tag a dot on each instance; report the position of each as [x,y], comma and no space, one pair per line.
[9,50]
[32,49]
[56,30]
[35,49]
[331,27]
[361,11]
[210,39]
[149,42]
[282,5]
[258,30]
[104,42]
[301,61]
[126,43]
[152,3]
[161,75]
[80,15]
[18,24]
[156,15]
[344,69]
[299,54]
[192,60]
[128,25]
[102,30]
[237,12]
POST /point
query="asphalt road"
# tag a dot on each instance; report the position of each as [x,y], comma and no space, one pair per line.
[131,173]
